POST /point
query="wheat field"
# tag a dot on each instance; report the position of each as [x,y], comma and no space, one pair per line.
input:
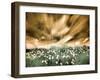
[45,30]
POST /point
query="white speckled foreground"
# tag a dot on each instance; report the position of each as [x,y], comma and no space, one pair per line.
[57,56]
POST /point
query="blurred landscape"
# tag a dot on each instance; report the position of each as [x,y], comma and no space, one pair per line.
[64,32]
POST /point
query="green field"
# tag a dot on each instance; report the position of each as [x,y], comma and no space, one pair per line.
[57,56]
